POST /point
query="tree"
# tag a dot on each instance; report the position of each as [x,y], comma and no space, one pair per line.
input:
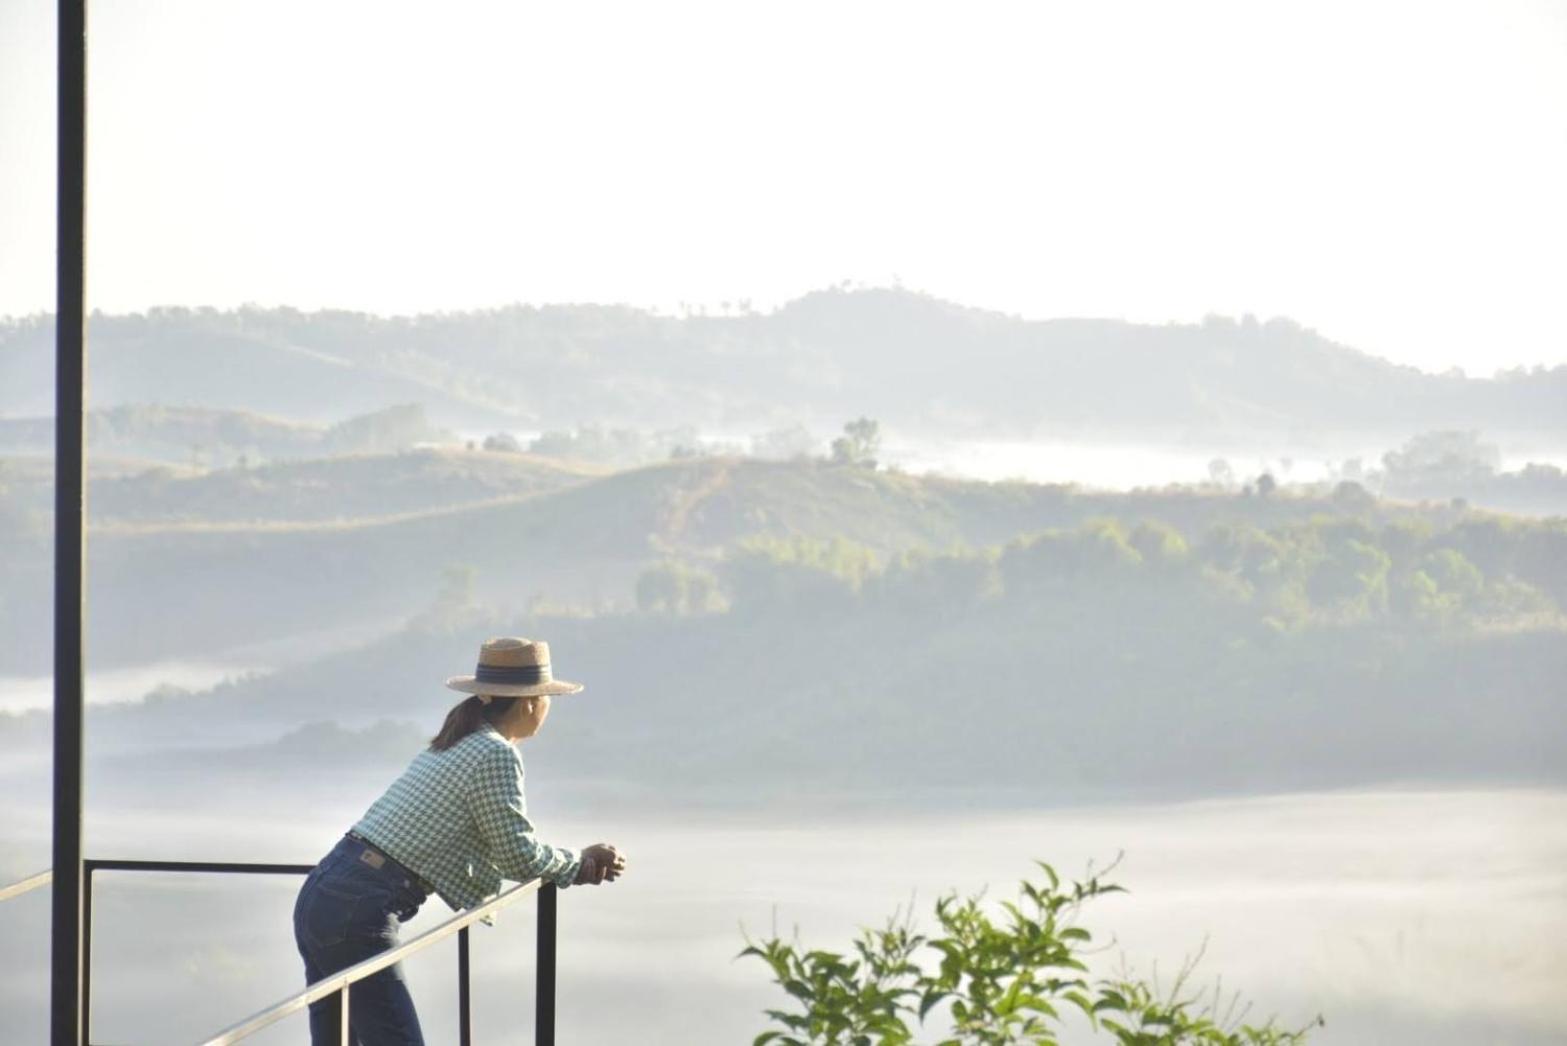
[859,444]
[658,590]
[920,581]
[784,444]
[1096,553]
[1434,457]
[1352,579]
[1000,981]
[379,431]
[1350,496]
[504,442]
[771,573]
[676,589]
[1158,543]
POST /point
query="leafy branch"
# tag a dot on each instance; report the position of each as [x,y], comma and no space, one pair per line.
[1002,979]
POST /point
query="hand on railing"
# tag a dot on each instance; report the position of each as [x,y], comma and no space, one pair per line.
[600,862]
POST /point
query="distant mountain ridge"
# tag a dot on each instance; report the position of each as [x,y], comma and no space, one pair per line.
[911,360]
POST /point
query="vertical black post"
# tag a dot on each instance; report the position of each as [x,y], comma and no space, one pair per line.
[87,872]
[70,341]
[464,1018]
[544,1006]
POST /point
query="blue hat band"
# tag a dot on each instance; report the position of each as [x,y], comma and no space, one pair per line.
[517,674]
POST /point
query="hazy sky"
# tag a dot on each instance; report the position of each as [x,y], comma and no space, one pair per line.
[1391,174]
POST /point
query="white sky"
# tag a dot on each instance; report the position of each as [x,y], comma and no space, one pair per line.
[1390,173]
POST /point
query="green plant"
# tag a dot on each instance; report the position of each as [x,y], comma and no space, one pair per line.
[1001,981]
[859,444]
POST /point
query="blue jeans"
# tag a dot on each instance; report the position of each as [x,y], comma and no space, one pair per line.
[347,911]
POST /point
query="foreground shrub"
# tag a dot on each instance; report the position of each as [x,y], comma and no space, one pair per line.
[998,982]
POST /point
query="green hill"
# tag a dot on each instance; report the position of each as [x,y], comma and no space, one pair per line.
[206,437]
[350,487]
[1106,660]
[161,589]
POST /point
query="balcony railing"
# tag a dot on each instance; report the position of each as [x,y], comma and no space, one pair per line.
[340,983]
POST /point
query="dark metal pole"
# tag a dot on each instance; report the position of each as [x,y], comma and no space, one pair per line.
[544,1006]
[87,874]
[464,1018]
[70,341]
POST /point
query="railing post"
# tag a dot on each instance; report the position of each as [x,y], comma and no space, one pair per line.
[344,1037]
[87,871]
[544,1006]
[464,1017]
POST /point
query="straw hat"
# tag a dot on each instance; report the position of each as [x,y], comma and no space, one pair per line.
[510,666]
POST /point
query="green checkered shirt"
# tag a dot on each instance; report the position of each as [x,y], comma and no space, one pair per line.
[458,819]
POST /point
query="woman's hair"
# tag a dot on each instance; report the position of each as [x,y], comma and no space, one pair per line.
[468,716]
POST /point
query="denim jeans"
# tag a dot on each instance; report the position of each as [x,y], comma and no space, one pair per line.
[347,911]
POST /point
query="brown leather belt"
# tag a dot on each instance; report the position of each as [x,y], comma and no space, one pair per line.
[413,876]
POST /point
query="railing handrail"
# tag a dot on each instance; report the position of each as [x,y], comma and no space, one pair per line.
[106,864]
[341,980]
[32,882]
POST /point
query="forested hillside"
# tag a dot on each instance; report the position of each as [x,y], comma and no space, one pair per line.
[1324,652]
[166,572]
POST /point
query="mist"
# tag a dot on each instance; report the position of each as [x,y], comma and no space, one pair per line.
[1374,908]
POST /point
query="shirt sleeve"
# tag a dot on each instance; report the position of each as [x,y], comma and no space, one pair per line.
[501,814]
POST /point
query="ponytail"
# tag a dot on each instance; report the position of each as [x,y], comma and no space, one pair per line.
[469,716]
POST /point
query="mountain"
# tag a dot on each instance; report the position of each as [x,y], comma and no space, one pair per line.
[910,360]
[247,360]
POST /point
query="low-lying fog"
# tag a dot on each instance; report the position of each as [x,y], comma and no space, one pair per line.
[1129,466]
[1399,916]
[134,682]
[1101,465]
[127,683]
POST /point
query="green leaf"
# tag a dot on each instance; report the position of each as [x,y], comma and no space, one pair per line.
[1110,1000]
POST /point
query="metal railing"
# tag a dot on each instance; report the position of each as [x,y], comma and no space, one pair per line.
[32,882]
[341,981]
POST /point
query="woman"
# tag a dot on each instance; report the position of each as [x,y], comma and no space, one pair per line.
[454,824]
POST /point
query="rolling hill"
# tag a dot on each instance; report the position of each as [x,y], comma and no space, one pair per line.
[913,361]
[159,588]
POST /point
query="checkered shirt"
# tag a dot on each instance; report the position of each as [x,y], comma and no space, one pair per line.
[458,819]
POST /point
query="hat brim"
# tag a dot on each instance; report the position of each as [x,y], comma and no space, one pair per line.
[471,685]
